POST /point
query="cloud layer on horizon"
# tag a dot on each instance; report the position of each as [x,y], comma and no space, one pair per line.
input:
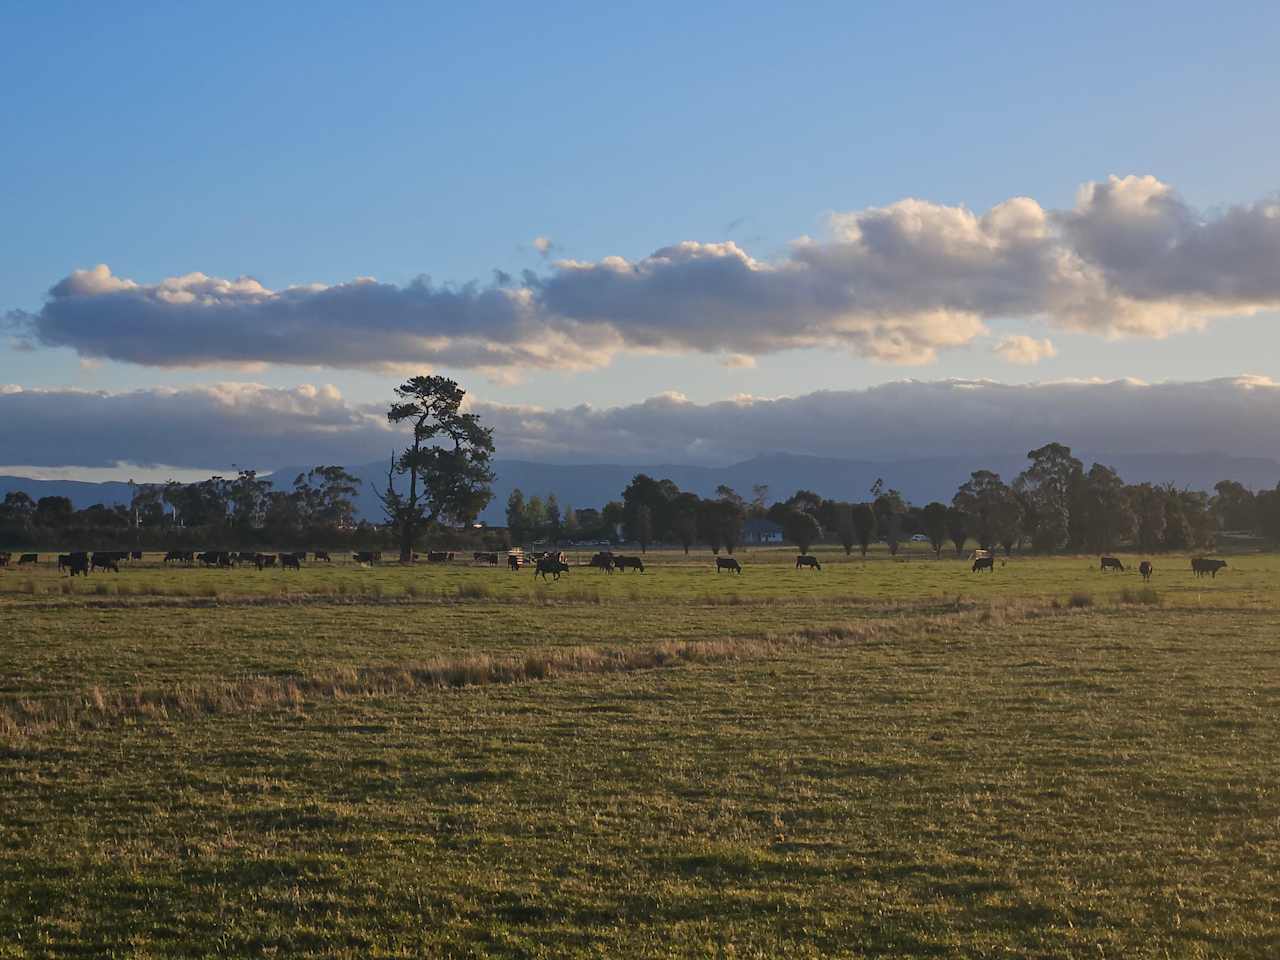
[896,283]
[265,427]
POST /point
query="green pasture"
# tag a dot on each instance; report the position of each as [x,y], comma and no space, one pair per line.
[890,758]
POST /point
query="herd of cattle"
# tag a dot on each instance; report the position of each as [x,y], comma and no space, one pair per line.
[547,564]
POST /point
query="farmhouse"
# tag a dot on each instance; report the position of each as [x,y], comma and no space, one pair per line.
[761,531]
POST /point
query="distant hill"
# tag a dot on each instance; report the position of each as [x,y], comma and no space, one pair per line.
[593,485]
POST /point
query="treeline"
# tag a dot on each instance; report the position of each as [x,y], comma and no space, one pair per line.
[317,510]
[1055,504]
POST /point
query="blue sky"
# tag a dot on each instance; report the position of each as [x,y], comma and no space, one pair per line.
[321,142]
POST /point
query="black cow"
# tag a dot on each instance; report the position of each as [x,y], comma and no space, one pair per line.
[1202,567]
[728,563]
[603,561]
[1112,563]
[551,565]
[78,564]
[290,561]
[623,563]
[367,556]
[135,554]
[438,556]
[104,561]
[513,562]
[484,556]
[264,560]
[984,563]
[804,560]
[323,555]
[5,558]
[26,558]
[1146,569]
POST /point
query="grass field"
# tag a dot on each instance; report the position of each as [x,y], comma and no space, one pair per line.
[884,758]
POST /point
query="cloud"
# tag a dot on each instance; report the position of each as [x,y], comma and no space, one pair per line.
[265,427]
[909,419]
[224,423]
[1024,350]
[544,245]
[897,283]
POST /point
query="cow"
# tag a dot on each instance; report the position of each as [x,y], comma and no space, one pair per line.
[602,561]
[104,560]
[179,556]
[804,560]
[1202,567]
[984,563]
[323,556]
[623,563]
[551,565]
[438,556]
[135,554]
[64,561]
[264,560]
[484,556]
[26,558]
[5,558]
[1146,569]
[513,562]
[290,561]
[78,564]
[1111,563]
[367,556]
[728,563]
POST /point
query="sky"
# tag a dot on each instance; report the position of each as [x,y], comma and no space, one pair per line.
[688,232]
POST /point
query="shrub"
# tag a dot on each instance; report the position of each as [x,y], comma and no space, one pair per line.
[474,590]
[1145,596]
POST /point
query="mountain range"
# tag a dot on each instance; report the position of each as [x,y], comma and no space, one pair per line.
[593,485]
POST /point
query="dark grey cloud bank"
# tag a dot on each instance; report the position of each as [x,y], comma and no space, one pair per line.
[896,283]
[266,427]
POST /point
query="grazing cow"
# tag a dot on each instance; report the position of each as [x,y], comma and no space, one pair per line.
[26,558]
[438,556]
[602,561]
[728,563]
[984,563]
[104,561]
[1146,569]
[552,566]
[804,560]
[323,556]
[485,556]
[1202,567]
[623,563]
[290,561]
[1112,563]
